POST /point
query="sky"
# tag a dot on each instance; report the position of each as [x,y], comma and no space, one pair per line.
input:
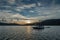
[33,9]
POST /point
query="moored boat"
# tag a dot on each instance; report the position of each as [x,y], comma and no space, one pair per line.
[38,27]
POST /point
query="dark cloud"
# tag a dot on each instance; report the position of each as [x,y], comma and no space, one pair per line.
[21,2]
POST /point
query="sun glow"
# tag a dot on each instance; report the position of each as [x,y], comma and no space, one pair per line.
[28,21]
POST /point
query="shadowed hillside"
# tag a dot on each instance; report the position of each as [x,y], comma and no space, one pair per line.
[51,22]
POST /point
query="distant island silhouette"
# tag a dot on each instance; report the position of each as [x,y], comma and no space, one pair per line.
[50,22]
[45,22]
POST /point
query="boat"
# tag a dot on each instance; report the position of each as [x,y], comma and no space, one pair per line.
[38,27]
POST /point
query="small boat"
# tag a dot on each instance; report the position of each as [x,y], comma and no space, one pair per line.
[39,27]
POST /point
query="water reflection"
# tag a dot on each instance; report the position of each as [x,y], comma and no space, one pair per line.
[28,29]
[28,32]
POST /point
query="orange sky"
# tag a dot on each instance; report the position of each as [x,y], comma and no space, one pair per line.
[25,21]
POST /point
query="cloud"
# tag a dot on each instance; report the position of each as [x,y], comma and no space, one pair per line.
[17,15]
[6,14]
[47,13]
[18,9]
[23,7]
[31,11]
[26,6]
[11,1]
[29,6]
[43,13]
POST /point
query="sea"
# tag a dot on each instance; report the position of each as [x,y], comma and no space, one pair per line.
[28,33]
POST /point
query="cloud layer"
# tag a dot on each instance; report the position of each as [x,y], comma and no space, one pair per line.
[34,9]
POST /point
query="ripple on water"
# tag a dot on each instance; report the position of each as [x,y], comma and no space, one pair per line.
[28,33]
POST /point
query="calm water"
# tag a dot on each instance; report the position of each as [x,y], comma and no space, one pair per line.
[28,33]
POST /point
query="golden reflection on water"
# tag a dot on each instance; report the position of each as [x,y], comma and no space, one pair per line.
[28,32]
[28,29]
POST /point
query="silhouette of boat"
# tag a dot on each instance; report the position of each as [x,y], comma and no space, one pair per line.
[38,27]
